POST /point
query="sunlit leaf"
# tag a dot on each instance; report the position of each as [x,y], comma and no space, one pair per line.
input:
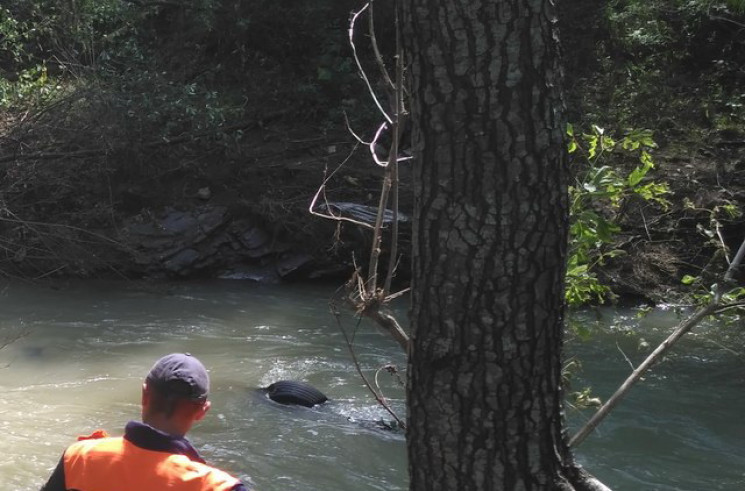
[688,279]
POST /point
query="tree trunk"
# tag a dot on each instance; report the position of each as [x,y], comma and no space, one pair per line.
[490,234]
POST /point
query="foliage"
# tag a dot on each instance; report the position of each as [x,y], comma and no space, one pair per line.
[109,107]
[727,291]
[672,61]
[29,84]
[178,68]
[577,399]
[597,199]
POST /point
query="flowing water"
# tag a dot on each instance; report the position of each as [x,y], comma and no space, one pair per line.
[86,347]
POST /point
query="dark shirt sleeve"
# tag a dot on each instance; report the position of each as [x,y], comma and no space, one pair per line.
[56,481]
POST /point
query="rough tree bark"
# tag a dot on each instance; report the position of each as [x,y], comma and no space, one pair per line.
[490,234]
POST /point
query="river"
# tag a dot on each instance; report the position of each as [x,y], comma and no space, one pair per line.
[87,345]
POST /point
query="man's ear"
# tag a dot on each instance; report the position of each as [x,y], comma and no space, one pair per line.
[145,395]
[203,410]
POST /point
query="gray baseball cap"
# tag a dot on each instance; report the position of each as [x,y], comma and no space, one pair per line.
[180,375]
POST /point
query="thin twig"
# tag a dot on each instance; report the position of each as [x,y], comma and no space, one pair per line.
[350,346]
[644,220]
[725,348]
[738,24]
[321,191]
[355,15]
[625,357]
[374,43]
[393,159]
[31,224]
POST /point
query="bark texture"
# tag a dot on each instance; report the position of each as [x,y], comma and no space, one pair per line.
[490,227]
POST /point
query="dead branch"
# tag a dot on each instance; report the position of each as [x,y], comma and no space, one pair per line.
[378,56]
[401,116]
[389,323]
[350,346]
[9,339]
[365,297]
[369,303]
[322,191]
[33,224]
[363,74]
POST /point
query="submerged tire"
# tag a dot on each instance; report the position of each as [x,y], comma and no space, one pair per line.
[297,393]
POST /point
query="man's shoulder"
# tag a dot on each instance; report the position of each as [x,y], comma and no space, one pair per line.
[206,470]
[100,443]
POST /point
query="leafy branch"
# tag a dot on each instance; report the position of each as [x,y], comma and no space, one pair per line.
[597,199]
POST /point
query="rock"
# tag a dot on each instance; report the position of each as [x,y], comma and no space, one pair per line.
[182,261]
[291,262]
[204,193]
[207,242]
[261,274]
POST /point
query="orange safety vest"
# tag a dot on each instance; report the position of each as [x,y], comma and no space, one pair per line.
[116,464]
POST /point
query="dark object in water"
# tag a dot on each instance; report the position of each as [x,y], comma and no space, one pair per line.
[297,393]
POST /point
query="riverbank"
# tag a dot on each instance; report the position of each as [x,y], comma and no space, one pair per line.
[162,161]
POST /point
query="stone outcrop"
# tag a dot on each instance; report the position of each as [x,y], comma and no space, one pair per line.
[208,242]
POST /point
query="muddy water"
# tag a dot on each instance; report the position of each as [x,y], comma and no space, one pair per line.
[87,346]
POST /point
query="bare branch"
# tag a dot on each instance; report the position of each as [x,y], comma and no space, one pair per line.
[322,190]
[393,157]
[32,224]
[350,345]
[359,64]
[725,19]
[625,357]
[735,263]
[374,43]
[12,338]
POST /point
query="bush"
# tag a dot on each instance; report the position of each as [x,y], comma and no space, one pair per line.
[597,199]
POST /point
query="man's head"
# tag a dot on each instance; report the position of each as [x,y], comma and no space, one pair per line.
[174,395]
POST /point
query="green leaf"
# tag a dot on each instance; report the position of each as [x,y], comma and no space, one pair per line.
[646,160]
[629,144]
[592,142]
[636,176]
[688,279]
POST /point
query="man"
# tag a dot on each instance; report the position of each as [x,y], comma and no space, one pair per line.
[154,454]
